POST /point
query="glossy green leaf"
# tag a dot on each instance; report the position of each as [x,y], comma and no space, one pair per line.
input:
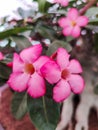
[44,113]
[19,105]
[92,14]
[14,31]
[46,32]
[21,42]
[56,44]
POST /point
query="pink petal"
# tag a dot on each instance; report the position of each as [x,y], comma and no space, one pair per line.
[57,1]
[77,83]
[73,14]
[31,54]
[61,91]
[40,62]
[74,66]
[18,64]
[64,2]
[1,56]
[62,58]
[82,21]
[76,31]
[36,86]
[67,31]
[51,72]
[18,81]
[63,22]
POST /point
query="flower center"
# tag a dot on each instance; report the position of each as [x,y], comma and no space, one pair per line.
[29,68]
[65,73]
[73,23]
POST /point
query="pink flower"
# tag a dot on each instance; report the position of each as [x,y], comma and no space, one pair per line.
[62,2]
[26,71]
[1,56]
[65,73]
[72,23]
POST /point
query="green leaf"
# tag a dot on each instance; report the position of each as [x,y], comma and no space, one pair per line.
[14,31]
[96,89]
[92,14]
[43,5]
[56,44]
[21,41]
[5,71]
[46,32]
[19,105]
[44,113]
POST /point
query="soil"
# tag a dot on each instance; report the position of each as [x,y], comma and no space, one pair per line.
[6,118]
[10,123]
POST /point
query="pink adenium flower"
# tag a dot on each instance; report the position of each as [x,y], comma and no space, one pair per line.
[64,72]
[62,2]
[72,23]
[26,71]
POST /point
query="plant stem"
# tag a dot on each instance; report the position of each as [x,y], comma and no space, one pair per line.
[87,6]
[45,111]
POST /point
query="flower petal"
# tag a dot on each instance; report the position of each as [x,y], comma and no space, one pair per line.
[64,2]
[62,58]
[61,91]
[36,86]
[63,22]
[77,83]
[1,56]
[51,72]
[18,64]
[31,54]
[82,21]
[73,14]
[18,81]
[67,31]
[76,31]
[40,62]
[74,66]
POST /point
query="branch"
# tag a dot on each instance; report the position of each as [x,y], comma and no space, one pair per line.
[87,6]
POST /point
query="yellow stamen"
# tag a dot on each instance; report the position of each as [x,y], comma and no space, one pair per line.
[73,23]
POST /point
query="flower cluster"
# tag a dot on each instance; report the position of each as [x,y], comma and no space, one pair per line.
[30,69]
[72,23]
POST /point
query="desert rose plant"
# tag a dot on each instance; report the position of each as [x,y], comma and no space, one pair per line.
[40,68]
